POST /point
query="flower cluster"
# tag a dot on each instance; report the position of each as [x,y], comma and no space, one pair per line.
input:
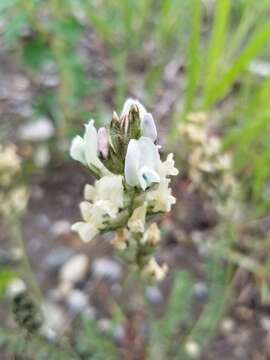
[13,195]
[133,184]
[209,166]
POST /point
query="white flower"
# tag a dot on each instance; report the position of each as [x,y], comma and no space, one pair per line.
[85,150]
[161,198]
[93,216]
[137,220]
[108,191]
[142,163]
[148,126]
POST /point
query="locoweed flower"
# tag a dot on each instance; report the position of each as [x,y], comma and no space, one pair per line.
[133,184]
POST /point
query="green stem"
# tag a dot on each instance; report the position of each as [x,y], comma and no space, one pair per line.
[14,221]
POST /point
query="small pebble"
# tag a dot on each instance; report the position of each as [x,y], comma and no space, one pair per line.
[227,325]
[154,295]
[192,349]
[265,323]
[60,227]
[118,333]
[105,325]
[200,291]
[39,130]
[107,269]
[54,318]
[77,301]
[57,257]
[42,221]
[75,269]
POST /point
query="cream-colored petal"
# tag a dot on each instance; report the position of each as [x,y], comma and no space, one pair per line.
[89,192]
[86,231]
[77,150]
[111,188]
[136,222]
[86,210]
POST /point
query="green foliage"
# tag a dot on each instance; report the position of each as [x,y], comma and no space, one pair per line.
[193,56]
[240,32]
[6,276]
[250,141]
[91,343]
[165,336]
[33,347]
[51,38]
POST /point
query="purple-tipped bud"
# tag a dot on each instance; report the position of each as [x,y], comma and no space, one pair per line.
[103,142]
[148,127]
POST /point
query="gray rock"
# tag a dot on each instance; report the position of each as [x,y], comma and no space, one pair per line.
[200,291]
[106,268]
[39,130]
[119,333]
[57,257]
[154,295]
[55,319]
[59,228]
[42,221]
[77,301]
[227,325]
[105,325]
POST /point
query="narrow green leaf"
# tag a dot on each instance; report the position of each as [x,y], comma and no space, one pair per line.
[216,48]
[255,45]
[193,58]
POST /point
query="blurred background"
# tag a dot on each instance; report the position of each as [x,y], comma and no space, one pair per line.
[202,67]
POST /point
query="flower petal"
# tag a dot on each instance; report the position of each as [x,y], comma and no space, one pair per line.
[77,150]
[86,210]
[86,231]
[132,163]
[110,188]
[149,153]
[137,220]
[148,127]
[147,177]
[89,192]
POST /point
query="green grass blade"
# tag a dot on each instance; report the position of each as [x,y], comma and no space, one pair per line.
[193,57]
[255,45]
[216,47]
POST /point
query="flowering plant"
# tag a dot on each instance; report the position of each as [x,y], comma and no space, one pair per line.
[13,195]
[132,185]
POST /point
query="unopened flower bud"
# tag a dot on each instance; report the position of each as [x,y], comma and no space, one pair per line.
[137,220]
[102,142]
[119,241]
[155,271]
[152,235]
[148,127]
[134,130]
